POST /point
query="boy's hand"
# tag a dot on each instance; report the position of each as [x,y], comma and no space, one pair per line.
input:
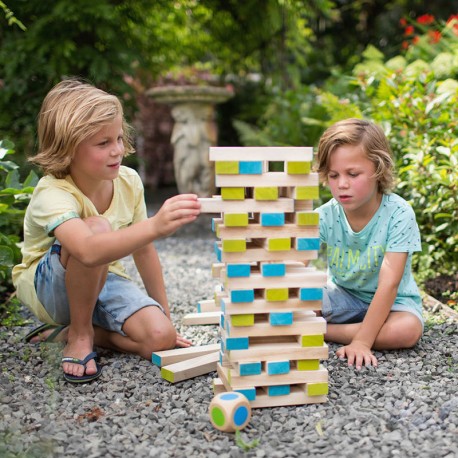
[183,342]
[174,213]
[357,353]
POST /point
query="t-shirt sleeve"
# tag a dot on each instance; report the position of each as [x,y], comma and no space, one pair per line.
[403,234]
[52,207]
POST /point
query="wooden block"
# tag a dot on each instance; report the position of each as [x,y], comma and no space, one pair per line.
[277,367]
[317,389]
[226,167]
[273,269]
[278,244]
[201,318]
[166,357]
[259,306]
[249,368]
[236,343]
[266,193]
[281,319]
[308,365]
[216,204]
[242,320]
[297,396]
[241,295]
[297,167]
[238,270]
[233,246]
[254,230]
[190,368]
[271,179]
[276,294]
[278,390]
[303,325]
[272,219]
[311,294]
[294,376]
[251,167]
[216,269]
[307,218]
[232,193]
[208,305]
[261,153]
[235,219]
[305,244]
[303,205]
[312,340]
[306,192]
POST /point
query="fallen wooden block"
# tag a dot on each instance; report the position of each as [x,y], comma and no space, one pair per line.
[202,318]
[166,357]
[190,368]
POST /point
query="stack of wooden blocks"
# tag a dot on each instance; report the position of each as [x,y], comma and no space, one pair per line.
[271,339]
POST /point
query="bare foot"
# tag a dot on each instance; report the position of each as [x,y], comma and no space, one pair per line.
[79,346]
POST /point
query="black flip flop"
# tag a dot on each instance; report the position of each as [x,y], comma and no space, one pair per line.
[82,378]
[57,329]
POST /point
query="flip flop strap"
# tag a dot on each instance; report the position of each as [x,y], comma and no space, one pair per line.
[83,362]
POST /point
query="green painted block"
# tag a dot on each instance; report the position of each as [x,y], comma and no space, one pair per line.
[236,219]
[308,364]
[243,320]
[317,389]
[297,168]
[234,246]
[281,244]
[312,341]
[167,375]
[307,218]
[307,192]
[267,193]
[226,168]
[276,294]
[233,193]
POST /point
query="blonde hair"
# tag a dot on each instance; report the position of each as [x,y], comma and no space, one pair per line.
[72,112]
[369,137]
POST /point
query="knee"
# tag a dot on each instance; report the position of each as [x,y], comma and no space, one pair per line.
[407,332]
[163,338]
[98,224]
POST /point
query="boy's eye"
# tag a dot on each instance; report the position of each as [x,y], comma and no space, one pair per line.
[353,174]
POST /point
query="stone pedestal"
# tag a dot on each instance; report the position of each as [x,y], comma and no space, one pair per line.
[194,131]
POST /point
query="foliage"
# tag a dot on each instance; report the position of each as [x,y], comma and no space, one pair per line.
[14,197]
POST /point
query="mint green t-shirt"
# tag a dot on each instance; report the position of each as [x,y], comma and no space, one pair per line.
[355,258]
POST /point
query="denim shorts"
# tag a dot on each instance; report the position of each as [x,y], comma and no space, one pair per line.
[119,299]
[342,307]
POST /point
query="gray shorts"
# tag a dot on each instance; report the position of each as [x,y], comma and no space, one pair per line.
[340,306]
[119,299]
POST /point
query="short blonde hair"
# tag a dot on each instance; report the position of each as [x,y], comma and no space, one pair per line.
[369,137]
[72,111]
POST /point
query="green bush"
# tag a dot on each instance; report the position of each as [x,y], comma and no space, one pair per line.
[14,196]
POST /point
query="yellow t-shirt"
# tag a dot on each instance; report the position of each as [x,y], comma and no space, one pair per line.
[55,201]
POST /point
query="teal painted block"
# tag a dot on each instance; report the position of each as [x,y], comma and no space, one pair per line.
[303,244]
[242,295]
[281,318]
[238,270]
[218,252]
[277,367]
[250,167]
[272,219]
[278,390]
[311,294]
[273,270]
[221,321]
[222,305]
[156,359]
[213,224]
[250,393]
[250,368]
[223,347]
[237,343]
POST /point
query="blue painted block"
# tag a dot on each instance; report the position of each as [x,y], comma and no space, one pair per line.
[303,244]
[281,318]
[218,252]
[250,393]
[221,356]
[242,295]
[223,347]
[156,359]
[237,343]
[278,390]
[250,167]
[272,219]
[277,367]
[311,294]
[250,368]
[214,224]
[238,270]
[273,270]
[221,321]
[222,305]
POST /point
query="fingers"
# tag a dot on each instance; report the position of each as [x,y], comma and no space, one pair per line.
[183,342]
[357,357]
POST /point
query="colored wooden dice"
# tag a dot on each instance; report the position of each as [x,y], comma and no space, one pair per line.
[229,411]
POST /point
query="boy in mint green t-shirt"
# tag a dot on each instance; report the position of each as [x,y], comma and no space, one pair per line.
[371,300]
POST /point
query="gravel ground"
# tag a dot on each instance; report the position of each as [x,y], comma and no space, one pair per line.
[407,407]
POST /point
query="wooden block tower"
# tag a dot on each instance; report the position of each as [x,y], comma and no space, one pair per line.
[271,339]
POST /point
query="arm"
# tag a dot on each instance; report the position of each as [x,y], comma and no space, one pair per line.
[97,249]
[359,350]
